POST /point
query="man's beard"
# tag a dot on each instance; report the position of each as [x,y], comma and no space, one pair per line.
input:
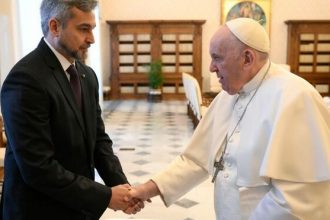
[71,53]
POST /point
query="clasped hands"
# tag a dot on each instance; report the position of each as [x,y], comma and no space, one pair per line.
[128,199]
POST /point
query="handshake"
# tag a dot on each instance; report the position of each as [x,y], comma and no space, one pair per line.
[131,199]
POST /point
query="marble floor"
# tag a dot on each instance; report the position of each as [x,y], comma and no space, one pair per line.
[147,137]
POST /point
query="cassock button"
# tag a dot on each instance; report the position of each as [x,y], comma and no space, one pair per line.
[226,175]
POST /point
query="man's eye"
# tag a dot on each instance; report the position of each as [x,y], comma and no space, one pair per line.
[84,29]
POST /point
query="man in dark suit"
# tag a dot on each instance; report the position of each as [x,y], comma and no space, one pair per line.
[56,135]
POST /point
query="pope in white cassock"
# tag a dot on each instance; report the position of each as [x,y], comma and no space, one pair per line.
[265,138]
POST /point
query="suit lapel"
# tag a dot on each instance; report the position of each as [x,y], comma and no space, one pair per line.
[86,105]
[85,94]
[62,80]
[84,90]
[67,91]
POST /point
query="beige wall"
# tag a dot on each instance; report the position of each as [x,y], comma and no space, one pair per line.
[9,49]
[283,10]
[208,10]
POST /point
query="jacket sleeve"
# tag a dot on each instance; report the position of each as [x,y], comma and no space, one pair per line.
[179,178]
[106,162]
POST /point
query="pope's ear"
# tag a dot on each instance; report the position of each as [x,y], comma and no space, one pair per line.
[249,57]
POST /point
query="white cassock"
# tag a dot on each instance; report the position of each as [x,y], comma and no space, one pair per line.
[277,162]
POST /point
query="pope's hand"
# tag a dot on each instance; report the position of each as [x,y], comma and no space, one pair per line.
[145,191]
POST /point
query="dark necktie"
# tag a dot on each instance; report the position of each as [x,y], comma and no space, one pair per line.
[75,83]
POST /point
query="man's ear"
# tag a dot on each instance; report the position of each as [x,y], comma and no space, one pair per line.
[54,27]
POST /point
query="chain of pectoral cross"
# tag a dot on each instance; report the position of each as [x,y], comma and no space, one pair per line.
[219,165]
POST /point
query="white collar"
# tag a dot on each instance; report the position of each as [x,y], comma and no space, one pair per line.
[64,62]
[255,81]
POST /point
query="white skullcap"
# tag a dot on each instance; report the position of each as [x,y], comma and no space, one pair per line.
[250,32]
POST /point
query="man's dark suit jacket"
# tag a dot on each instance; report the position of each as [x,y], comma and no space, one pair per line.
[53,147]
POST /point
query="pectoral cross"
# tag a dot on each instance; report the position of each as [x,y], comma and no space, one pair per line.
[218,166]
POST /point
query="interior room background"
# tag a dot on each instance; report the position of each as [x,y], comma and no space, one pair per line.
[20,26]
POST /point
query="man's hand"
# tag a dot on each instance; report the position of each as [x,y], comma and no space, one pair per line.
[120,199]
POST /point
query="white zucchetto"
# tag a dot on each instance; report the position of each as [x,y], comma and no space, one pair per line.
[250,32]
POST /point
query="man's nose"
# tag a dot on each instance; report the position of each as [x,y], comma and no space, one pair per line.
[90,38]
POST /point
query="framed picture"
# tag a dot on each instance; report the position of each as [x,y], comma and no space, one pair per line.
[259,10]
